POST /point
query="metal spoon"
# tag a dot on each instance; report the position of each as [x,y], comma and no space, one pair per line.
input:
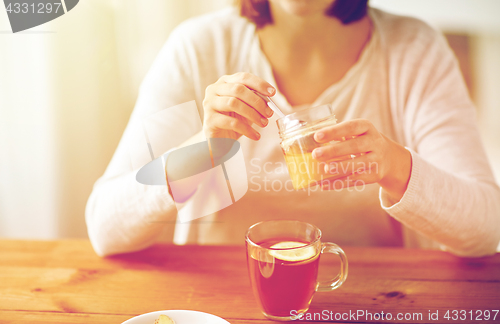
[271,104]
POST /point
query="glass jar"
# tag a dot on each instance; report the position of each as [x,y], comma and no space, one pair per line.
[297,142]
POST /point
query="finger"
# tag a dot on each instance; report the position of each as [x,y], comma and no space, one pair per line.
[251,81]
[363,164]
[246,95]
[221,121]
[346,129]
[232,104]
[353,146]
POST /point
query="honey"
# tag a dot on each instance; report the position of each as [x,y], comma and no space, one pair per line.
[297,142]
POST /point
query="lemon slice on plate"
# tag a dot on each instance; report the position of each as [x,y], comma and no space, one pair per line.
[164,319]
[292,255]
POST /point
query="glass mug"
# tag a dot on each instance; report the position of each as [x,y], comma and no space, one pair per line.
[297,142]
[283,260]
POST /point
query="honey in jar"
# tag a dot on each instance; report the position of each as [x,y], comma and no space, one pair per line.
[297,142]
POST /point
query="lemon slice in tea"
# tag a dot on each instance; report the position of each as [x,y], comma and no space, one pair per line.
[292,255]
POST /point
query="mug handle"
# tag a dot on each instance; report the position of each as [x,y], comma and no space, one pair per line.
[336,282]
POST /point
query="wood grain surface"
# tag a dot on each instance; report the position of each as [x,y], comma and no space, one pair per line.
[66,282]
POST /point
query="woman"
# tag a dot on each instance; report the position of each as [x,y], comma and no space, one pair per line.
[396,90]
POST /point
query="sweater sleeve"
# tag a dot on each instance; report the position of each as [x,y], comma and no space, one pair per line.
[123,215]
[452,197]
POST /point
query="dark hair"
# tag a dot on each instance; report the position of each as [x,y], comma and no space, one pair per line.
[347,11]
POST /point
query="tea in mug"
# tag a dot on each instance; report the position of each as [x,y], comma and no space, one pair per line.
[284,280]
[283,260]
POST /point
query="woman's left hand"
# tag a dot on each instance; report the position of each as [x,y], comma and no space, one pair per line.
[375,158]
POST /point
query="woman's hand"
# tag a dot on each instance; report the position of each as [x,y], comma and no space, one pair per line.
[375,158]
[231,107]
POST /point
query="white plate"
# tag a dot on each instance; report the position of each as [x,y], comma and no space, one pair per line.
[179,316]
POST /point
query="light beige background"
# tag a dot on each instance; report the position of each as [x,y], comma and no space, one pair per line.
[67,89]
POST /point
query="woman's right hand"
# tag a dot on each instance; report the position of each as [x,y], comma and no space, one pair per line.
[231,107]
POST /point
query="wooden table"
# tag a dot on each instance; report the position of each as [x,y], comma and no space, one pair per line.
[65,282]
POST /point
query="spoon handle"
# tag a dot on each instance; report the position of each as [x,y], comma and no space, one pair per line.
[271,104]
